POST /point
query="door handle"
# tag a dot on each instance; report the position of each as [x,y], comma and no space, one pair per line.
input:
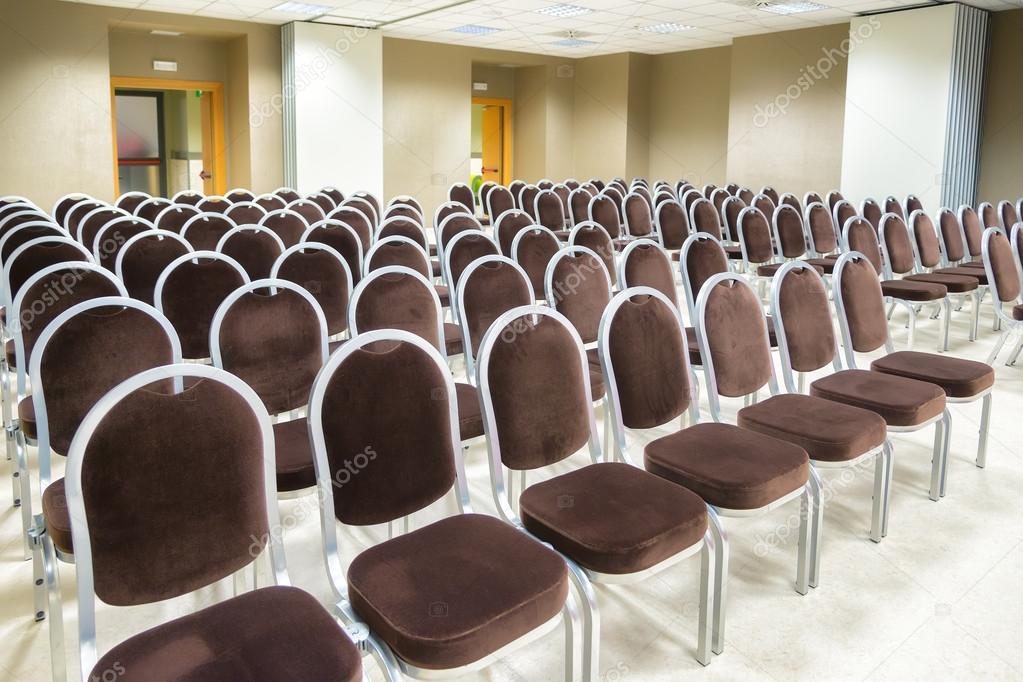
[205,176]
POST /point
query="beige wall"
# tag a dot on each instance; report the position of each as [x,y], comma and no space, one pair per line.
[689,97]
[637,137]
[55,64]
[800,149]
[601,115]
[1001,152]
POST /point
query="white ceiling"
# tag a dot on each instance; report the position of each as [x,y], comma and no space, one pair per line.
[611,25]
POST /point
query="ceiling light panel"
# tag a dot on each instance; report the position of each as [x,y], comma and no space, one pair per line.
[563,10]
[666,27]
[302,8]
[789,7]
[474,30]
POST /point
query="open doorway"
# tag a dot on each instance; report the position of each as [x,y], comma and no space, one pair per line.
[168,136]
[491,141]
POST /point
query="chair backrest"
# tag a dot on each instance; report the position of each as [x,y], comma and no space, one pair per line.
[871,210]
[64,204]
[637,211]
[33,257]
[173,218]
[765,203]
[288,194]
[926,246]
[325,203]
[672,224]
[74,215]
[688,197]
[771,193]
[489,286]
[187,197]
[577,285]
[405,200]
[703,218]
[746,194]
[463,194]
[718,198]
[859,305]
[755,237]
[792,200]
[365,202]
[789,235]
[644,263]
[401,226]
[988,215]
[578,205]
[999,264]
[859,235]
[334,193]
[270,202]
[533,248]
[129,201]
[311,211]
[87,350]
[1007,215]
[113,236]
[324,273]
[535,390]
[271,334]
[26,232]
[499,200]
[896,246]
[245,213]
[397,251]
[596,239]
[463,249]
[913,204]
[893,205]
[951,234]
[286,224]
[239,194]
[397,297]
[398,399]
[841,213]
[342,238]
[802,320]
[527,199]
[604,212]
[92,223]
[143,257]
[254,248]
[454,224]
[702,257]
[730,210]
[406,211]
[972,230]
[820,229]
[205,230]
[213,204]
[549,210]
[732,333]
[833,197]
[446,209]
[484,193]
[189,291]
[812,198]
[149,209]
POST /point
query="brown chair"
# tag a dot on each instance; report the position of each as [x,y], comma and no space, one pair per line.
[461,250]
[603,211]
[893,205]
[484,192]
[397,251]
[405,211]
[270,202]
[807,343]
[718,198]
[971,228]
[527,199]
[187,197]
[912,205]
[792,200]
[86,350]
[509,224]
[737,363]
[239,195]
[342,238]
[286,224]
[1001,261]
[642,348]
[112,237]
[72,218]
[287,193]
[821,237]
[254,248]
[550,212]
[639,221]
[143,257]
[988,215]
[311,211]
[245,213]
[489,286]
[402,226]
[90,224]
[204,231]
[325,203]
[272,334]
[357,219]
[672,225]
[463,194]
[595,238]
[454,594]
[871,211]
[334,193]
[1007,216]
[812,198]
[765,204]
[788,233]
[644,263]
[173,218]
[756,245]
[365,202]
[771,193]
[325,274]
[861,317]
[406,200]
[24,233]
[612,522]
[396,297]
[455,223]
[842,212]
[129,201]
[730,209]
[579,205]
[32,257]
[63,206]
[149,209]
[533,248]
[189,291]
[213,204]
[499,200]
[218,435]
[447,209]
[703,218]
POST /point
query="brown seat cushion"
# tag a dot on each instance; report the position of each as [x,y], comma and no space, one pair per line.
[900,401]
[827,265]
[435,267]
[273,633]
[769,270]
[977,273]
[1017,312]
[294,453]
[727,466]
[676,256]
[954,284]
[828,431]
[470,418]
[57,516]
[733,251]
[909,290]
[433,250]
[10,353]
[457,590]
[958,378]
[443,294]
[452,339]
[613,517]
[27,418]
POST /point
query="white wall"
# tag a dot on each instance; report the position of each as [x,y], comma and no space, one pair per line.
[338,108]
[896,112]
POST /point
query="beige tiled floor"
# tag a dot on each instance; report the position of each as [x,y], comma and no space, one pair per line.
[941,597]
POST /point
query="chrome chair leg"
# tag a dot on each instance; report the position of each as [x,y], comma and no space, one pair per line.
[946,447]
[881,493]
[720,582]
[704,634]
[938,458]
[817,529]
[985,422]
[590,623]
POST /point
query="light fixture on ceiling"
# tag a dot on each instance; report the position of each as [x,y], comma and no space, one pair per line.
[666,27]
[573,42]
[564,10]
[792,7]
[302,8]
[474,29]
[164,32]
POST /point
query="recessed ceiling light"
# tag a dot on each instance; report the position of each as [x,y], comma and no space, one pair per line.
[302,8]
[794,7]
[573,42]
[162,32]
[563,10]
[667,27]
[475,29]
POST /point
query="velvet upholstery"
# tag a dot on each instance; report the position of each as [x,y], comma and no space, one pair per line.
[152,208]
[896,240]
[235,640]
[310,211]
[499,200]
[358,221]
[821,228]
[892,205]
[255,250]
[26,413]
[490,290]
[23,234]
[319,273]
[541,410]
[727,466]
[1004,267]
[293,453]
[862,237]
[648,266]
[464,251]
[951,236]
[398,301]
[60,210]
[864,306]
[843,211]
[396,406]
[926,239]
[325,203]
[974,230]
[704,260]
[175,219]
[401,254]
[804,308]
[604,212]
[954,284]
[598,241]
[287,225]
[578,204]
[509,226]
[405,211]
[245,213]
[898,400]
[270,202]
[957,377]
[673,224]
[403,227]
[872,213]
[461,222]
[550,212]
[703,218]
[455,591]
[90,225]
[112,238]
[72,219]
[204,234]
[173,491]
[737,338]
[534,252]
[614,518]
[913,290]
[637,212]
[581,290]
[144,261]
[755,235]
[789,227]
[346,242]
[213,204]
[188,198]
[191,295]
